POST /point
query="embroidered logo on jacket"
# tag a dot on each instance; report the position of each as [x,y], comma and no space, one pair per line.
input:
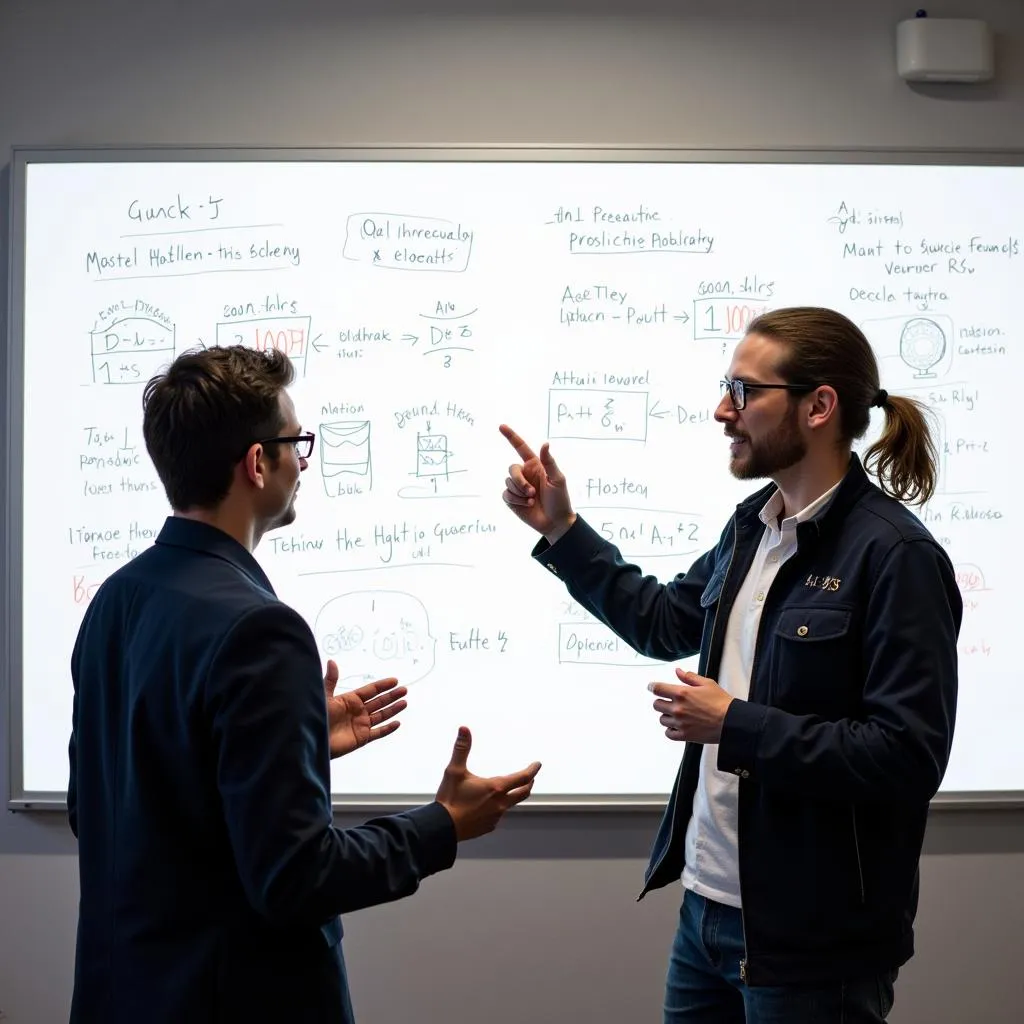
[823,582]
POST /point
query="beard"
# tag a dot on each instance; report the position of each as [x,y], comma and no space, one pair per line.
[776,451]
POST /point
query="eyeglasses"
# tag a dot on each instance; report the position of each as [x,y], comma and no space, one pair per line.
[738,390]
[303,443]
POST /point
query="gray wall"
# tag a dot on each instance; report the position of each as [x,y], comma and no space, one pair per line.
[537,922]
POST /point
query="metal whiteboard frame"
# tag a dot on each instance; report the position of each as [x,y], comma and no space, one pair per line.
[12,382]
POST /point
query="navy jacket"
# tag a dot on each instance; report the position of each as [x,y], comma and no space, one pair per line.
[847,730]
[211,874]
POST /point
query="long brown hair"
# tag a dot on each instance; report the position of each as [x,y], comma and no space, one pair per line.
[825,347]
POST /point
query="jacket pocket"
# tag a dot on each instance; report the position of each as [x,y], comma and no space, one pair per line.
[814,661]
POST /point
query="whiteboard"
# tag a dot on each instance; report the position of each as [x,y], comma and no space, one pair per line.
[590,299]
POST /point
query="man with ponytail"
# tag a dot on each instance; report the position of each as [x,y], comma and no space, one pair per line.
[819,723]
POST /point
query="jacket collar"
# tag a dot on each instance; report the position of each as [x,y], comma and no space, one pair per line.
[178,532]
[850,490]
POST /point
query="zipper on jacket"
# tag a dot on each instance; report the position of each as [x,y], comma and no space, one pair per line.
[743,902]
[745,960]
[714,626]
[856,850]
[743,918]
[767,701]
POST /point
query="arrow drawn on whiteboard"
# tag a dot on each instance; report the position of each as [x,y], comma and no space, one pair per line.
[681,317]
[316,347]
[410,337]
[657,413]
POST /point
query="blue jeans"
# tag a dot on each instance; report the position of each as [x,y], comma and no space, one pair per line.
[704,983]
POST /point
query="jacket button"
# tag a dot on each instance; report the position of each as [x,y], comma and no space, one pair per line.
[552,568]
[802,631]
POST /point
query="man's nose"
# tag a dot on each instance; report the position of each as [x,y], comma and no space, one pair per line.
[726,411]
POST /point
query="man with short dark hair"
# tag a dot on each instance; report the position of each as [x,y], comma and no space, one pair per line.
[212,876]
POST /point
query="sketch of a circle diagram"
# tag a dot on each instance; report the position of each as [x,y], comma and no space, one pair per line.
[922,345]
[373,634]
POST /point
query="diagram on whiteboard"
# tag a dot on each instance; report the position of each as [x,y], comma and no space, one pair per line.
[345,462]
[913,349]
[432,455]
[922,346]
[131,349]
[434,468]
[373,634]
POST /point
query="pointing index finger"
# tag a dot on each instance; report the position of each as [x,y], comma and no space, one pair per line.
[523,450]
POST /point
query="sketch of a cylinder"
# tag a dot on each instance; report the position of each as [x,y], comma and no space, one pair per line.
[345,460]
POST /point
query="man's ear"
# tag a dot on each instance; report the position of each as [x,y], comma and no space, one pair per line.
[254,465]
[823,407]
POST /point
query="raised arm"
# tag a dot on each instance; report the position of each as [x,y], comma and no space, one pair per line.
[657,620]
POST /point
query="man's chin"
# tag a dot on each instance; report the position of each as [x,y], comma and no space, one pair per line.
[739,467]
[286,518]
[744,469]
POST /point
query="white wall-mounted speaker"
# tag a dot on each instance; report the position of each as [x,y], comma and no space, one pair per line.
[944,49]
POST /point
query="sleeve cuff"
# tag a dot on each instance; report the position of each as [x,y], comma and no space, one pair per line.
[437,834]
[577,545]
[741,732]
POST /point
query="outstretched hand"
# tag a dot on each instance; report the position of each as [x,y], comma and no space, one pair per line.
[477,804]
[536,489]
[360,716]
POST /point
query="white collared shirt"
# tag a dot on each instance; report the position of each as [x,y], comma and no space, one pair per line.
[712,863]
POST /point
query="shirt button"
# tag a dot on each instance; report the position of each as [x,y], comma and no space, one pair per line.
[773,558]
[760,596]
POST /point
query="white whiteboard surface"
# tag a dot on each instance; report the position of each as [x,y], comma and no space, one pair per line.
[591,302]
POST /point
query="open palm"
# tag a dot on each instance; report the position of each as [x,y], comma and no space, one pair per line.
[360,716]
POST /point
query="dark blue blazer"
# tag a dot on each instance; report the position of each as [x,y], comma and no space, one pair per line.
[211,874]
